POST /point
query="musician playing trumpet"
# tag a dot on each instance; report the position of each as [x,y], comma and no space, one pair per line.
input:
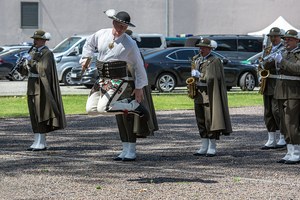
[271,113]
[211,105]
[287,93]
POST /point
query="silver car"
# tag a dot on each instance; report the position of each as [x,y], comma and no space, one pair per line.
[67,55]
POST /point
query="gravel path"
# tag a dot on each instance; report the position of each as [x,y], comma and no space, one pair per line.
[79,160]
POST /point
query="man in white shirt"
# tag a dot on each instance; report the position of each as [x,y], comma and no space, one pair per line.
[115,49]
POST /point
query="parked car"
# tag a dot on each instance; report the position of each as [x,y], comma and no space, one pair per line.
[88,78]
[237,48]
[152,41]
[169,68]
[8,60]
[175,41]
[67,55]
[6,48]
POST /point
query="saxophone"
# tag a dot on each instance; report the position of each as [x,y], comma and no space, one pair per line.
[191,82]
[263,73]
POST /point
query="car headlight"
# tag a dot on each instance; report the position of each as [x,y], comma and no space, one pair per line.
[58,59]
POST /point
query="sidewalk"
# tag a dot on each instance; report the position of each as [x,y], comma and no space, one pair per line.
[79,160]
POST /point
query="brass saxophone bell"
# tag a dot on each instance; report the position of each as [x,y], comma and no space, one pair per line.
[264,73]
[190,81]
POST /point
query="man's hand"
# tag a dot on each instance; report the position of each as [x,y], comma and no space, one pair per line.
[85,67]
[195,73]
[138,95]
[277,57]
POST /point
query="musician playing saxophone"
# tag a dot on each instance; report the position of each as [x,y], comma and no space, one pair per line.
[288,95]
[271,113]
[211,105]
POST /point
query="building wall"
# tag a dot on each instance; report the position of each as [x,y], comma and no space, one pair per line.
[63,18]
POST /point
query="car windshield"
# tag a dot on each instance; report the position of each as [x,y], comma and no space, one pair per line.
[64,46]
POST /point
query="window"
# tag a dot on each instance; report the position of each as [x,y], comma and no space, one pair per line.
[182,55]
[226,45]
[29,15]
[250,45]
[149,42]
[66,44]
[185,54]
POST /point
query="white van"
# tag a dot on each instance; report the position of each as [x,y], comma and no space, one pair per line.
[67,54]
[154,40]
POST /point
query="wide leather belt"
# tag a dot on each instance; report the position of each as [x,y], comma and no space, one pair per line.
[33,75]
[285,77]
[117,69]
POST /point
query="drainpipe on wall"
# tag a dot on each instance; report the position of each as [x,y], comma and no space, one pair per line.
[167,18]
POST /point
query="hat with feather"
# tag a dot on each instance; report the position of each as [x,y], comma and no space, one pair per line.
[122,17]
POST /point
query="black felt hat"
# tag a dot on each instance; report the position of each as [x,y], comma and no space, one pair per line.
[122,17]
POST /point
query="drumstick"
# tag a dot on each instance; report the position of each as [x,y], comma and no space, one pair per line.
[87,62]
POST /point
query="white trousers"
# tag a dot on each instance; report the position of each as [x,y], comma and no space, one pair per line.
[104,95]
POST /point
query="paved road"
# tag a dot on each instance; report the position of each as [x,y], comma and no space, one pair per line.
[18,88]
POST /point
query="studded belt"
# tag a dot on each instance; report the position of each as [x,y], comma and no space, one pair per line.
[117,69]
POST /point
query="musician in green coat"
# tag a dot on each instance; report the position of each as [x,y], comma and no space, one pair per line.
[211,104]
[43,92]
[287,92]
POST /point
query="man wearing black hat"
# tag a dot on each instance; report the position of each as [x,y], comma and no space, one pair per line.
[43,92]
[116,49]
[211,105]
[271,113]
[288,94]
[131,126]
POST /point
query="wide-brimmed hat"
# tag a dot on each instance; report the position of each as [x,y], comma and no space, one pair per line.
[205,42]
[276,31]
[42,35]
[122,17]
[291,33]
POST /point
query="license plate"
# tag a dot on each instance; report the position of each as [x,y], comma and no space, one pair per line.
[73,75]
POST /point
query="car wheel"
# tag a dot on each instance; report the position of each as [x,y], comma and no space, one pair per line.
[165,82]
[66,79]
[247,81]
[17,76]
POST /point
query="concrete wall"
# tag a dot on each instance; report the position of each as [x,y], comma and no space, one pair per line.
[63,18]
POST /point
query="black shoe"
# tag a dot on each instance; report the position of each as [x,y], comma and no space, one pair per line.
[278,146]
[280,161]
[198,154]
[29,149]
[267,148]
[43,149]
[142,112]
[291,162]
[117,158]
[128,159]
[210,155]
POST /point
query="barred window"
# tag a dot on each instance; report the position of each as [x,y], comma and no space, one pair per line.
[29,15]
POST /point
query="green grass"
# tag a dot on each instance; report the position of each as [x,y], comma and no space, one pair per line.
[75,104]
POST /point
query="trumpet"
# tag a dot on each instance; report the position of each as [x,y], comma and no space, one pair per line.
[272,54]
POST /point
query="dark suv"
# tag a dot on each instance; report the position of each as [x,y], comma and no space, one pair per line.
[238,48]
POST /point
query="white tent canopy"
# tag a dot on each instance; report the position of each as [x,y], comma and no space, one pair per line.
[280,22]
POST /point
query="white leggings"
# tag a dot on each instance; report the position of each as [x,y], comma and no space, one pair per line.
[104,95]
